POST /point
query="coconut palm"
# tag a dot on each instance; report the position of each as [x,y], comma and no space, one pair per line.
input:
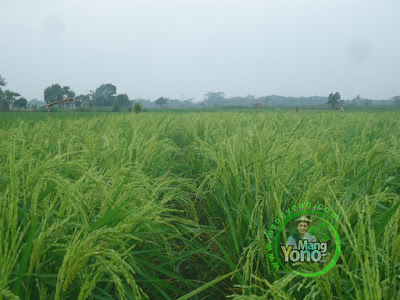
[2,81]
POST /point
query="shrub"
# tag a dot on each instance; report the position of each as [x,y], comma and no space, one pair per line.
[116,108]
[138,107]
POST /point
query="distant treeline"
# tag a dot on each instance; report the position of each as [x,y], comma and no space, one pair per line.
[219,100]
[250,102]
[106,95]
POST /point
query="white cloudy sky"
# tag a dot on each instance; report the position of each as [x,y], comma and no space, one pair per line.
[154,48]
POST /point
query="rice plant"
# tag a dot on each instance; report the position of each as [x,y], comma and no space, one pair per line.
[164,205]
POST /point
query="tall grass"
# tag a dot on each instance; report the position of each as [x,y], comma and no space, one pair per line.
[166,205]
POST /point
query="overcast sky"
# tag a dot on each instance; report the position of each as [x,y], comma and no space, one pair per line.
[154,48]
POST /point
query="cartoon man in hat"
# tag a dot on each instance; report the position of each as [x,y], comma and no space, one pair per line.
[303,225]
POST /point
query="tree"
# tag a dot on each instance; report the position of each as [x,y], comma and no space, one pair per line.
[116,108]
[20,103]
[36,102]
[55,93]
[3,104]
[106,90]
[138,107]
[333,100]
[104,95]
[85,100]
[396,101]
[122,100]
[2,81]
[214,98]
[68,92]
[78,103]
[7,98]
[162,102]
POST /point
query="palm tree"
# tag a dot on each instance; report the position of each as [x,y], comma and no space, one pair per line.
[2,81]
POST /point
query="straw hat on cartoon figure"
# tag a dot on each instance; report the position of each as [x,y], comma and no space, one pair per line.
[302,225]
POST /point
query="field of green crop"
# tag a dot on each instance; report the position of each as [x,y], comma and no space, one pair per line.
[164,205]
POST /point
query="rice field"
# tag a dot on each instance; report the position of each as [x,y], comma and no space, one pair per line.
[177,206]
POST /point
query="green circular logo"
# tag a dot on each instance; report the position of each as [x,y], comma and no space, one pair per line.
[322,216]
